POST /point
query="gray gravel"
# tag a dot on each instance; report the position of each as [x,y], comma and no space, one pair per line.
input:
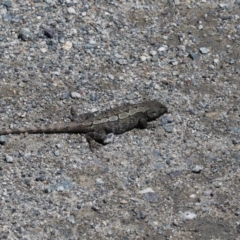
[178,179]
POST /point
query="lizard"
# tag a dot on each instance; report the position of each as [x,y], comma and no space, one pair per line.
[116,120]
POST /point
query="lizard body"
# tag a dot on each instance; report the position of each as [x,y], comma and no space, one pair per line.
[116,120]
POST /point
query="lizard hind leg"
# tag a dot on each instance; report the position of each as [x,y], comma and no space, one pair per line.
[75,116]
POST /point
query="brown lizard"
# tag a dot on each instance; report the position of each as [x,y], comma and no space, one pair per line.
[116,120]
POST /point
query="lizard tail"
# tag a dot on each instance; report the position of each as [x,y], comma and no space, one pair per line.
[50,128]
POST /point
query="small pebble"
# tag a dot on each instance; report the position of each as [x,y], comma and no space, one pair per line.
[237,213]
[194,56]
[71,10]
[67,46]
[140,214]
[59,172]
[3,139]
[177,2]
[9,159]
[99,181]
[43,50]
[64,186]
[168,128]
[146,190]
[71,219]
[25,34]
[223,5]
[27,182]
[217,184]
[143,58]
[207,192]
[73,31]
[94,97]
[110,76]
[8,4]
[151,197]
[64,95]
[204,50]
[48,189]
[193,196]
[40,178]
[153,53]
[56,153]
[175,73]
[197,169]
[49,32]
[211,67]
[188,215]
[59,145]
[122,61]
[162,49]
[75,95]
[123,201]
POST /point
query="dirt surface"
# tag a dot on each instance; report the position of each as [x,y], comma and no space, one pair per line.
[178,179]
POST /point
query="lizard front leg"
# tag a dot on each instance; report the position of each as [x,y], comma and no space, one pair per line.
[95,139]
[142,123]
[98,136]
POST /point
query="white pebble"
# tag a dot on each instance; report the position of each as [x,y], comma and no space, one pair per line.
[222,5]
[197,169]
[204,50]
[99,181]
[9,159]
[143,58]
[217,184]
[43,50]
[177,2]
[162,49]
[75,95]
[67,46]
[211,67]
[193,196]
[110,76]
[175,73]
[58,145]
[188,215]
[71,10]
[153,53]
[73,31]
[146,190]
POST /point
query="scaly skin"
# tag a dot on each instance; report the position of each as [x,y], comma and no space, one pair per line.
[117,120]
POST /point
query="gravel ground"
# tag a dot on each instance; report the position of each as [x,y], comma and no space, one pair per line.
[178,179]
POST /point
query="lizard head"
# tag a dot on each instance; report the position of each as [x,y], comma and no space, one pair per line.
[156,109]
